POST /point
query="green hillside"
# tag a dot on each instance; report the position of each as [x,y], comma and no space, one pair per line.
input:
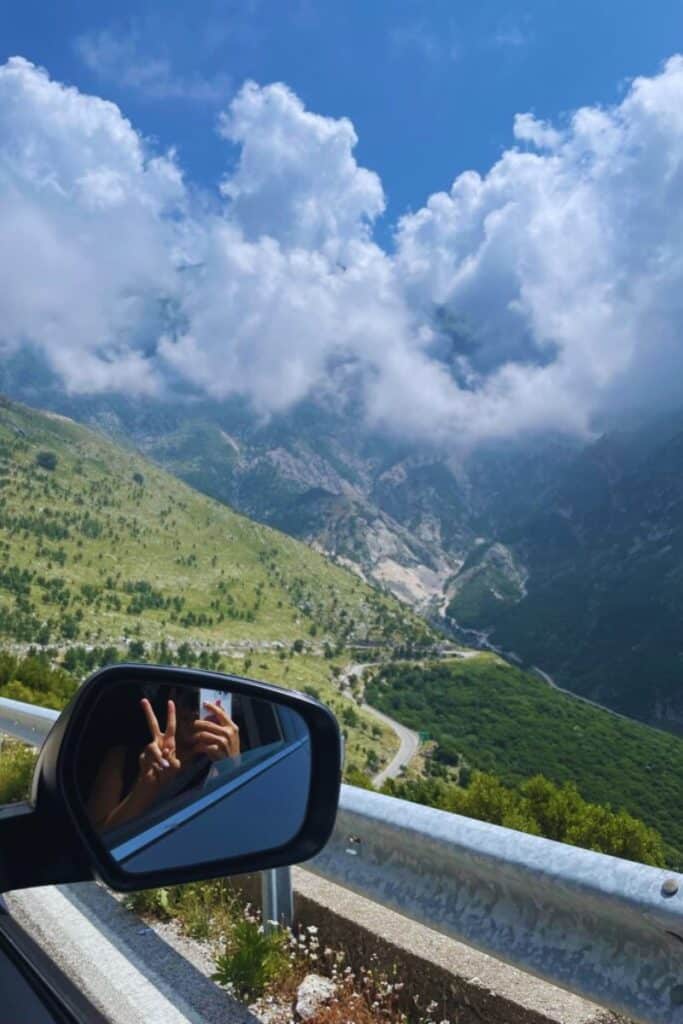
[97,545]
[505,721]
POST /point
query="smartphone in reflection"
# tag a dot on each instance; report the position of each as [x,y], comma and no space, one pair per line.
[218,697]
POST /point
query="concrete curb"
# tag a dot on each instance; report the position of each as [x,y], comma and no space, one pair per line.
[129,971]
[137,974]
[471,986]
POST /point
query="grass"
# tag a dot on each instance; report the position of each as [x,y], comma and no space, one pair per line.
[505,721]
[106,546]
[252,959]
[17,765]
[269,967]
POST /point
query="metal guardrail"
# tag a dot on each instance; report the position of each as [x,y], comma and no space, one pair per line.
[26,722]
[607,929]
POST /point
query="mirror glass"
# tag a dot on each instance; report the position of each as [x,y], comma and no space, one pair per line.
[174,776]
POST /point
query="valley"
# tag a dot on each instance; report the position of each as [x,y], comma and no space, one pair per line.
[489,716]
[105,556]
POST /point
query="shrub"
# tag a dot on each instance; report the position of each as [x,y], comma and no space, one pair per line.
[152,902]
[204,909]
[355,776]
[540,807]
[46,460]
[252,959]
[17,764]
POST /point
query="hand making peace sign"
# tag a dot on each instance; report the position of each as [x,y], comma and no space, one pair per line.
[216,737]
[158,761]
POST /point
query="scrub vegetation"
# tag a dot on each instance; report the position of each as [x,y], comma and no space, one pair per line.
[17,764]
[485,714]
[266,967]
[98,545]
[541,808]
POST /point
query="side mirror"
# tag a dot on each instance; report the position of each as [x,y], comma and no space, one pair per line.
[170,775]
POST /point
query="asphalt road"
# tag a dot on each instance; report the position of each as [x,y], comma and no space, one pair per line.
[409,741]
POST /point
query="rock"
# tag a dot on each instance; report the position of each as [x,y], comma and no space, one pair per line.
[313,992]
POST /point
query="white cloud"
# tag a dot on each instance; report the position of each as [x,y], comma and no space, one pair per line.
[122,57]
[297,179]
[531,297]
[528,128]
[567,263]
[85,232]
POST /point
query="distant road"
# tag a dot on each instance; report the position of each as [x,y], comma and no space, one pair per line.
[586,700]
[409,741]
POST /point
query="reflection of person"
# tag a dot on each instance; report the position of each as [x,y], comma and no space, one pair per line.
[177,758]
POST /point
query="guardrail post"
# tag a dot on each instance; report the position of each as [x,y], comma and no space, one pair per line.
[277,904]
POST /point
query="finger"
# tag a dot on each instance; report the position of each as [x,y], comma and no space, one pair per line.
[151,755]
[151,719]
[204,725]
[216,750]
[204,739]
[209,748]
[220,713]
[170,721]
[170,758]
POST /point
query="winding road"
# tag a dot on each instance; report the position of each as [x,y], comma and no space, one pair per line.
[409,740]
[409,743]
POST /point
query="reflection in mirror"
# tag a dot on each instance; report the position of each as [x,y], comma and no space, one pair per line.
[173,776]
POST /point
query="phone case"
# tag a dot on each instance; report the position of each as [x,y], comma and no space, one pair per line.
[219,697]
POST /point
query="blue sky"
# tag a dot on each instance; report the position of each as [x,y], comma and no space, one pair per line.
[468,215]
[431,86]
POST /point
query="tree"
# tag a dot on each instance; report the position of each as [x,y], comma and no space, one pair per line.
[46,460]
[349,717]
[136,649]
[539,807]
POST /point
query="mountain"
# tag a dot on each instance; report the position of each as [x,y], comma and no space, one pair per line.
[310,473]
[402,515]
[562,551]
[567,554]
[98,544]
[601,559]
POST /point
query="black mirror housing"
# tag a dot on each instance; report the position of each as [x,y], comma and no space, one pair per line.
[227,809]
